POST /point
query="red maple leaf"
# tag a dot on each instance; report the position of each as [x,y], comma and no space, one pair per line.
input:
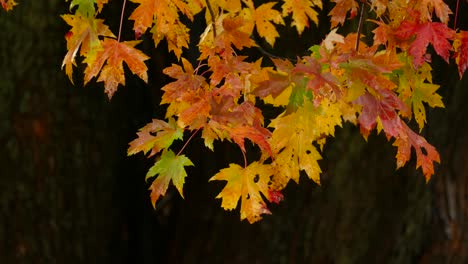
[460,46]
[435,33]
[383,108]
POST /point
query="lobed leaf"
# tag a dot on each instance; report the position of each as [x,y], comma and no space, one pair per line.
[169,168]
[110,59]
[248,185]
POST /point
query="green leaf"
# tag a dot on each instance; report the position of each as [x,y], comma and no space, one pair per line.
[85,7]
[169,168]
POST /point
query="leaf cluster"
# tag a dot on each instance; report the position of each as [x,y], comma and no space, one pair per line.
[381,85]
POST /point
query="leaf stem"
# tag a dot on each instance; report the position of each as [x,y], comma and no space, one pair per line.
[245,158]
[121,19]
[360,25]
[213,20]
[186,142]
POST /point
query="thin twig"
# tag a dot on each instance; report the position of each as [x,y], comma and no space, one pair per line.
[213,20]
[186,142]
[456,15]
[360,25]
[121,19]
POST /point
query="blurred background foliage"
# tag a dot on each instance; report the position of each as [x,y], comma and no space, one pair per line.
[69,194]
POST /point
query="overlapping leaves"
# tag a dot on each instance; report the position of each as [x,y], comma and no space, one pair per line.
[380,86]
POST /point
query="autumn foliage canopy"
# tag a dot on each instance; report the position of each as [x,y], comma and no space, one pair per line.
[380,84]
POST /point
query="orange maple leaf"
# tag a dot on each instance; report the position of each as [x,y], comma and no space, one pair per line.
[408,139]
[83,36]
[339,11]
[164,14]
[427,7]
[113,54]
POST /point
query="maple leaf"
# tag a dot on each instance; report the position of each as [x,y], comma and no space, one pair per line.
[301,11]
[84,33]
[384,107]
[263,16]
[168,168]
[234,33]
[144,14]
[339,11]
[155,136]
[321,83]
[114,53]
[256,133]
[406,140]
[273,86]
[460,45]
[414,90]
[185,95]
[435,33]
[164,14]
[247,184]
[293,136]
[213,131]
[8,4]
[424,92]
[427,7]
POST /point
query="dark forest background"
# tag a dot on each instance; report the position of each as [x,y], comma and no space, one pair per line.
[69,193]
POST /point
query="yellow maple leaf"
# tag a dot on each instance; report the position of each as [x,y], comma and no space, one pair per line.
[415,87]
[293,137]
[264,16]
[83,36]
[247,184]
[302,11]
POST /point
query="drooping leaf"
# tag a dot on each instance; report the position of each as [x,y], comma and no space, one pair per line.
[164,14]
[168,168]
[155,136]
[84,33]
[426,154]
[185,92]
[460,45]
[438,34]
[264,17]
[415,87]
[382,106]
[302,11]
[339,11]
[293,137]
[427,7]
[110,59]
[247,184]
